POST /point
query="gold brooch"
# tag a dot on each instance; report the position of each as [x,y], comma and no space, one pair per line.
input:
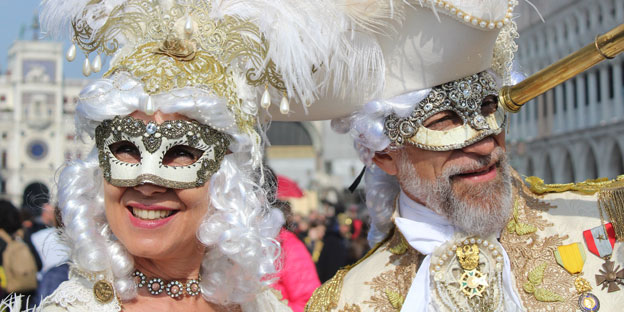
[468,256]
[103,291]
[472,281]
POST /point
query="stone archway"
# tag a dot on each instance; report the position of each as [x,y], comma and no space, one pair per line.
[294,151]
[567,174]
[549,176]
[530,168]
[616,162]
[591,165]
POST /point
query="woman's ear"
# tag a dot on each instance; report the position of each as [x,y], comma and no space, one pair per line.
[387,161]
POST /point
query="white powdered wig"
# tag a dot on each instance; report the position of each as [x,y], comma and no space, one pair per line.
[239,233]
[382,190]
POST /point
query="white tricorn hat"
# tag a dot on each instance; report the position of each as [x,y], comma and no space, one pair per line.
[420,45]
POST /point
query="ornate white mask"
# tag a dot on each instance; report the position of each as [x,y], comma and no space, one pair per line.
[463,97]
[152,144]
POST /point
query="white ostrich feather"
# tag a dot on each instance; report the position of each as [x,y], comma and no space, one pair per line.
[310,44]
[13,303]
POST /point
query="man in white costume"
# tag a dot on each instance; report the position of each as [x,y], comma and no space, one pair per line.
[454,226]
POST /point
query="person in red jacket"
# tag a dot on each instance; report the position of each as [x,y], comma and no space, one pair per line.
[297,278]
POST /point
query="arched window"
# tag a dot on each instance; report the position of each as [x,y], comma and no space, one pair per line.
[616,162]
[530,171]
[567,175]
[548,171]
[288,133]
[591,165]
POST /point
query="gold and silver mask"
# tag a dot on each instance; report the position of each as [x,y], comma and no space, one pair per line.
[177,154]
[462,97]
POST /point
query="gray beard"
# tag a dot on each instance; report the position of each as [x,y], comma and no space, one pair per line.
[482,210]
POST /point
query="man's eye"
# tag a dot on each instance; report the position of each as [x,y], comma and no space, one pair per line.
[443,121]
[489,104]
[181,155]
[126,151]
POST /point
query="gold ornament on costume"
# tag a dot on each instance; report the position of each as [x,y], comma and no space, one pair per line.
[591,186]
[542,294]
[611,200]
[468,256]
[473,283]
[103,291]
[582,285]
[467,275]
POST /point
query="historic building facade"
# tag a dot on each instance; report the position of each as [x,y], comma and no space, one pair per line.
[573,132]
[36,117]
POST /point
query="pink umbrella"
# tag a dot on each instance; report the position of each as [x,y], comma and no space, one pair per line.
[287,188]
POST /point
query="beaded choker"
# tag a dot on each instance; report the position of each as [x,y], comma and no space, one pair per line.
[174,288]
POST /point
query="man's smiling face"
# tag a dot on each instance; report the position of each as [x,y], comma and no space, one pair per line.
[470,186]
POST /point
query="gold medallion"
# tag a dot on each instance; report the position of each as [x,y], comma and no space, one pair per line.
[103,291]
[468,256]
[473,283]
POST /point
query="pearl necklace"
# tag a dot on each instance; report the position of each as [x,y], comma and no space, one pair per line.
[174,288]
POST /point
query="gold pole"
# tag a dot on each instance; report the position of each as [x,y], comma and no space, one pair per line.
[606,46]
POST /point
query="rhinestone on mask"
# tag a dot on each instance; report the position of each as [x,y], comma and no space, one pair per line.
[151,128]
[462,96]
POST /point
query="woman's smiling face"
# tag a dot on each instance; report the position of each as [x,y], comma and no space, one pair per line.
[153,221]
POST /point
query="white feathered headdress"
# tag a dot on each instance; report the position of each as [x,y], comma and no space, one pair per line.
[243,50]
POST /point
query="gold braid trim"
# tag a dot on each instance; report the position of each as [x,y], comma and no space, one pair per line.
[611,200]
[589,187]
[327,296]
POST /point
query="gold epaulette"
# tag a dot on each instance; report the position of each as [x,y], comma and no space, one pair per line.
[327,296]
[610,196]
[589,187]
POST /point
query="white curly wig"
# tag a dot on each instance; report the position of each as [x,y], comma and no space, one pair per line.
[240,230]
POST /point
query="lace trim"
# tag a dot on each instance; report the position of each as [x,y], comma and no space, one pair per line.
[76,295]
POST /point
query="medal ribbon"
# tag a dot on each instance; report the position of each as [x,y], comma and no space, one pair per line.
[600,240]
[571,257]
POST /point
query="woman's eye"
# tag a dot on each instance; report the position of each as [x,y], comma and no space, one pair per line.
[126,151]
[181,155]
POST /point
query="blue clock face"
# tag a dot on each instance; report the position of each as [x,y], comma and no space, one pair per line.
[37,149]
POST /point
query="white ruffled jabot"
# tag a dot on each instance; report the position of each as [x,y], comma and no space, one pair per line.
[427,232]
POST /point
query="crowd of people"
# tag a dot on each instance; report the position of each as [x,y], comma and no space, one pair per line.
[335,239]
[33,259]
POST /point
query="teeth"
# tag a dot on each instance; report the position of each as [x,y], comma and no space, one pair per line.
[150,214]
